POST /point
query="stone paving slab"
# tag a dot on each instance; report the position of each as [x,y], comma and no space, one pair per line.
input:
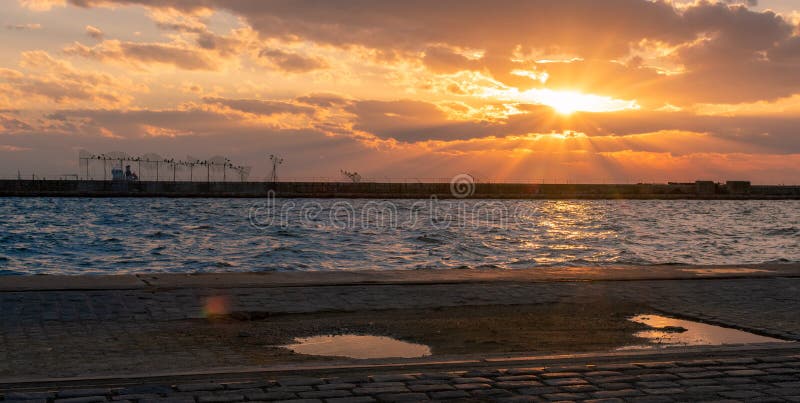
[759,375]
[35,323]
[767,306]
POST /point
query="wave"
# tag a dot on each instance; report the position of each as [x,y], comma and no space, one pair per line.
[188,235]
[160,235]
[198,227]
[429,240]
[782,231]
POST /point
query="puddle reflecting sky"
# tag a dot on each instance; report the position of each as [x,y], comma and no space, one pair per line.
[711,272]
[669,332]
[358,346]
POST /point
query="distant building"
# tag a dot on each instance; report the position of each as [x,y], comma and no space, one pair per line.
[738,187]
[117,174]
[705,187]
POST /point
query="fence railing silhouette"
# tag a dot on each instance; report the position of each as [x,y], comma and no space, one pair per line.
[201,176]
[152,167]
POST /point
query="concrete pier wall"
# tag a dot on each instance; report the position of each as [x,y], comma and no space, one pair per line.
[77,188]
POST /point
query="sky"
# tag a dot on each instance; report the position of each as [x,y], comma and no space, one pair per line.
[505,90]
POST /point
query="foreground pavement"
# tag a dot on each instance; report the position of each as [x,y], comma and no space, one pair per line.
[767,373]
[156,337]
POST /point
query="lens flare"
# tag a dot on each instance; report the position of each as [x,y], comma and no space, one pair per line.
[217,305]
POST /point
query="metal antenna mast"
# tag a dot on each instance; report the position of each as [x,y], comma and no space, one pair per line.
[276,160]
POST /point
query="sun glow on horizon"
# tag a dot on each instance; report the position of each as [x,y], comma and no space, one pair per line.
[568,102]
[565,102]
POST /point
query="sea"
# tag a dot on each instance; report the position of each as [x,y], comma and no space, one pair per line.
[186,235]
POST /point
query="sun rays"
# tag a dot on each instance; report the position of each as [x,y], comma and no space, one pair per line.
[564,102]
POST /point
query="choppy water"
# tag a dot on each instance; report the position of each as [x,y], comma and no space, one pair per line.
[74,236]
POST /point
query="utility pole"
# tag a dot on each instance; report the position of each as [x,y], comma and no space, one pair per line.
[276,160]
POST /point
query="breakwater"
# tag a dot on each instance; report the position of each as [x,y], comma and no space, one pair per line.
[697,190]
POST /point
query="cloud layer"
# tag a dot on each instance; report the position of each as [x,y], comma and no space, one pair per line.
[389,87]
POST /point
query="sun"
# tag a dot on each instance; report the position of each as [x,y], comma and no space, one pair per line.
[566,102]
[569,102]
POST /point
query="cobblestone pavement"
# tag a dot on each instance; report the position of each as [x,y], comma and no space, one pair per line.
[47,326]
[771,376]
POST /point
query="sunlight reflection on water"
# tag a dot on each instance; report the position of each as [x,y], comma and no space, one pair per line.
[671,332]
[358,346]
[119,235]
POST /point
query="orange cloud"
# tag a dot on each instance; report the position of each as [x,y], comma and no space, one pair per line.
[683,88]
[42,5]
[292,62]
[45,77]
[94,32]
[141,54]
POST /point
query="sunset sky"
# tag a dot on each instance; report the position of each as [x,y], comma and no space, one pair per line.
[571,90]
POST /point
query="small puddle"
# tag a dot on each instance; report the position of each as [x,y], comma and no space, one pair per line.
[358,346]
[671,332]
[712,272]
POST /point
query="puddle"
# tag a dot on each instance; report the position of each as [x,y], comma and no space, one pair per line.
[712,272]
[671,332]
[358,346]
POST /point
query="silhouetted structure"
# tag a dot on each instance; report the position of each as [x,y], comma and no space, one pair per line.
[71,188]
[153,167]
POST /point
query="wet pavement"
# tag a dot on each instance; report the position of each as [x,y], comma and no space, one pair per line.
[63,333]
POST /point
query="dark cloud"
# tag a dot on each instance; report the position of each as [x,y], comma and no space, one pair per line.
[586,26]
[133,123]
[415,121]
[292,62]
[323,100]
[441,59]
[730,53]
[11,124]
[182,25]
[786,52]
[261,107]
[411,121]
[224,45]
[579,25]
[94,32]
[146,53]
